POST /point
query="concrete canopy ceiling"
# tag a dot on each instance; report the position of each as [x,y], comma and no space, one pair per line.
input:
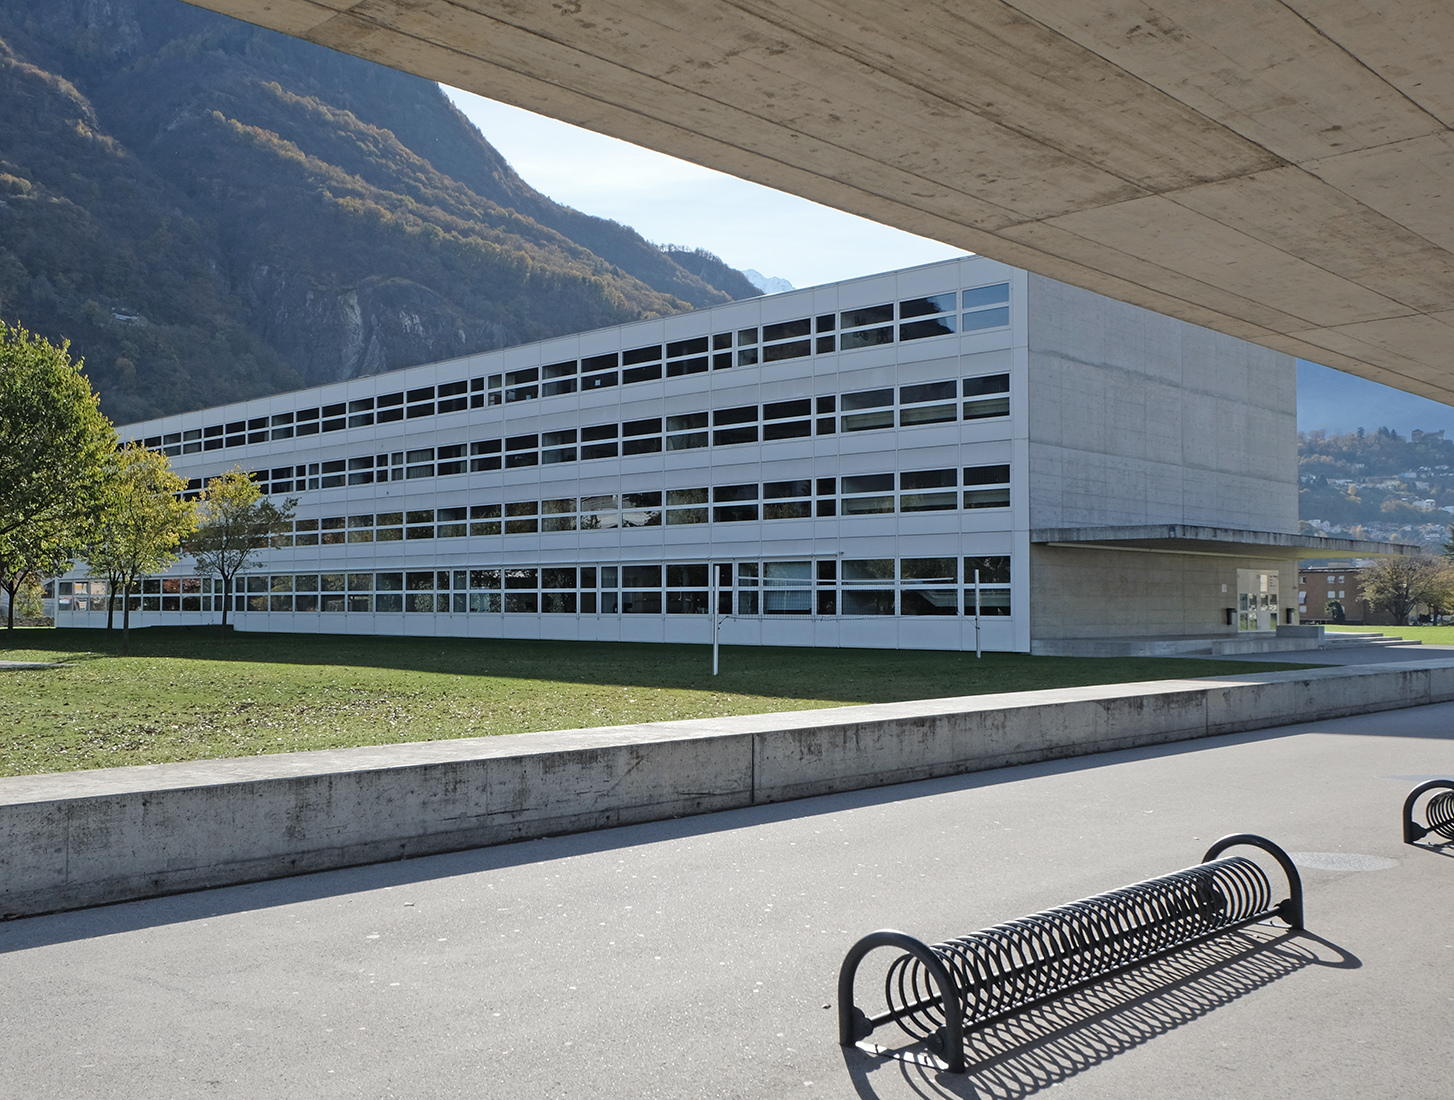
[1278,171]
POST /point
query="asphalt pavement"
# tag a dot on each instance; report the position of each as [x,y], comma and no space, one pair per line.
[699,957]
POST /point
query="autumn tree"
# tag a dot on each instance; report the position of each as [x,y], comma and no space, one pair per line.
[1401,583]
[142,523]
[235,524]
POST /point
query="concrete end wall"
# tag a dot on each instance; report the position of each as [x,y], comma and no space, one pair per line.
[1137,418]
[87,838]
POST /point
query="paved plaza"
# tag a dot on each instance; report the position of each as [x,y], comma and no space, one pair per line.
[698,957]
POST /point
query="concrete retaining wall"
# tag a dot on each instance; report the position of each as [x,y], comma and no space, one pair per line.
[87,838]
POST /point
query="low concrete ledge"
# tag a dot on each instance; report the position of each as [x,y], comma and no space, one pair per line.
[76,839]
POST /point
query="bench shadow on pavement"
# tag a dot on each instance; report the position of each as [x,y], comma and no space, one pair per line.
[1046,1046]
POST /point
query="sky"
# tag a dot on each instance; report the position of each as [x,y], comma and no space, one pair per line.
[672,201]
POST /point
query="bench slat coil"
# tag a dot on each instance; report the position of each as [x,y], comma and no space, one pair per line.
[937,993]
[1439,813]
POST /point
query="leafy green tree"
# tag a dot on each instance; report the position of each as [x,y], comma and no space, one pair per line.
[53,439]
[1440,592]
[142,524]
[1399,584]
[1333,609]
[27,557]
[236,523]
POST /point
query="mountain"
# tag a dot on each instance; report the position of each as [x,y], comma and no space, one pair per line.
[768,284]
[1378,485]
[210,211]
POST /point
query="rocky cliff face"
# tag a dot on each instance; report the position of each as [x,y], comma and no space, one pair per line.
[210,211]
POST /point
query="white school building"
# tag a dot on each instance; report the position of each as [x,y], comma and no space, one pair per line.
[839,464]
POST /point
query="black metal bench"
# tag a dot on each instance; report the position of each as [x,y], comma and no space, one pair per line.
[1439,813]
[939,993]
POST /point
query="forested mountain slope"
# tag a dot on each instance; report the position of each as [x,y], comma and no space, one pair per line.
[210,211]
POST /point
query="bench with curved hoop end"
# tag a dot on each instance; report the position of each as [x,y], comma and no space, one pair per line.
[939,993]
[1439,813]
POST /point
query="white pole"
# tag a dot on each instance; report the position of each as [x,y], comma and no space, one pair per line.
[977,651]
[716,620]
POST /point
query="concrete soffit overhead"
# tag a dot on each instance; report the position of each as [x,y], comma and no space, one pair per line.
[1276,172]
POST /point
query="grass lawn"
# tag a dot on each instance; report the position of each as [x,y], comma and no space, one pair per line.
[1429,635]
[184,694]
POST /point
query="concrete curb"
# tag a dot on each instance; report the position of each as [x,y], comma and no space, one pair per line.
[77,839]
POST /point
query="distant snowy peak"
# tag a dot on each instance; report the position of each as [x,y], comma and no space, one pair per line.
[767,285]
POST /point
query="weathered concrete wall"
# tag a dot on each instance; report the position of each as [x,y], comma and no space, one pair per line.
[1084,592]
[1139,419]
[88,838]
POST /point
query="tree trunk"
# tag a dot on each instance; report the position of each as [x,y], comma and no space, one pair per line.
[110,603]
[226,602]
[126,618]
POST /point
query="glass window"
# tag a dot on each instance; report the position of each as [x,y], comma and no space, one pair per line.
[920,330]
[360,582]
[866,338]
[868,601]
[679,348]
[686,422]
[686,576]
[558,578]
[637,576]
[868,483]
[929,391]
[781,490]
[992,601]
[870,315]
[686,515]
[778,574]
[992,570]
[867,399]
[868,571]
[723,493]
[781,410]
[928,570]
[928,502]
[986,385]
[988,498]
[987,475]
[522,578]
[484,601]
[641,603]
[484,578]
[986,295]
[923,307]
[987,318]
[686,496]
[863,422]
[929,601]
[389,582]
[786,330]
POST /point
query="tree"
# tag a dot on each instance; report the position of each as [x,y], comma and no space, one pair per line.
[142,524]
[1333,609]
[1440,593]
[1398,584]
[27,556]
[53,439]
[235,524]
